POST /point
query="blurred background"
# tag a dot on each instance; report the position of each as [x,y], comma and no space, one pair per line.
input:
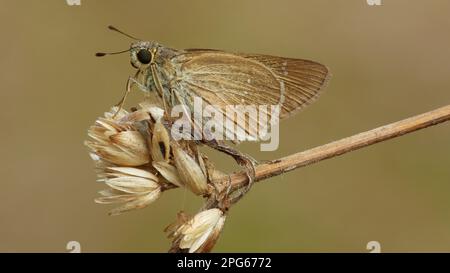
[388,62]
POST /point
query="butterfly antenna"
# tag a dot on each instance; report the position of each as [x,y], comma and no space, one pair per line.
[123,33]
[101,54]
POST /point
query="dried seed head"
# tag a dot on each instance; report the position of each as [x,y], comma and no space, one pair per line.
[134,187]
[190,172]
[201,232]
[116,142]
[123,147]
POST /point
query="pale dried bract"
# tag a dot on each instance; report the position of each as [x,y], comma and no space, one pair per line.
[117,142]
[135,188]
[190,172]
[200,233]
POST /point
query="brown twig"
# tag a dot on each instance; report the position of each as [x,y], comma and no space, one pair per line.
[345,145]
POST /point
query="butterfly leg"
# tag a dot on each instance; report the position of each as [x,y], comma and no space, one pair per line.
[242,159]
[130,82]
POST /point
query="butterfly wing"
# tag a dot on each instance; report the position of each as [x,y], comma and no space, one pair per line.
[223,79]
[302,80]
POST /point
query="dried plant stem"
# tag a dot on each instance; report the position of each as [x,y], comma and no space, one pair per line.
[345,145]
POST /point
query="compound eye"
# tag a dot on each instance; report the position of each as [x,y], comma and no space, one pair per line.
[144,56]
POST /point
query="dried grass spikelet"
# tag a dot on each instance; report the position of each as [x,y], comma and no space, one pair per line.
[200,233]
[117,142]
[135,188]
[191,173]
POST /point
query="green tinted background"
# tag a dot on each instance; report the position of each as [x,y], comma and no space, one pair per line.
[388,62]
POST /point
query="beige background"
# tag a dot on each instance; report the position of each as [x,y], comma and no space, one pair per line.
[388,63]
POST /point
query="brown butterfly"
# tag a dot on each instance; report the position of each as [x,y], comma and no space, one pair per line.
[222,78]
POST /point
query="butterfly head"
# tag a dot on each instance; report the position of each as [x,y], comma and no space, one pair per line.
[142,53]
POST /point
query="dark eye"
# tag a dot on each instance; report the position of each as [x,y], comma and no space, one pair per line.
[144,56]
